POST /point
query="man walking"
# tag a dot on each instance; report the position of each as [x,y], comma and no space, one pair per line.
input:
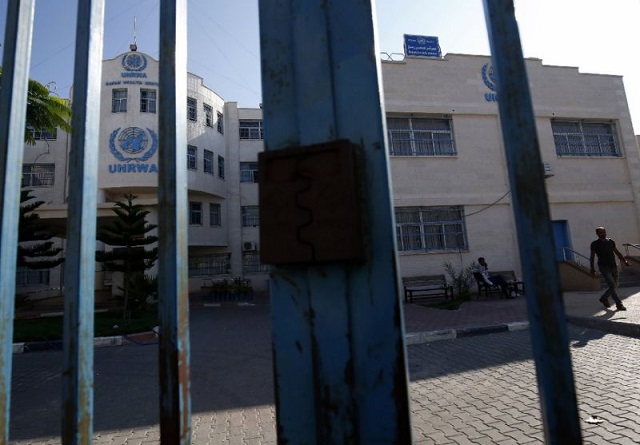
[606,250]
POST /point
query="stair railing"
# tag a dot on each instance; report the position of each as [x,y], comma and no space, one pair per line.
[571,255]
[628,245]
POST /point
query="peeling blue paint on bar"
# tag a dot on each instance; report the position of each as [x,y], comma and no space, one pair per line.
[548,326]
[77,382]
[13,109]
[340,368]
[175,399]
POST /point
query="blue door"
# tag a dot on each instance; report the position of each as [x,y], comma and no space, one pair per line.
[562,240]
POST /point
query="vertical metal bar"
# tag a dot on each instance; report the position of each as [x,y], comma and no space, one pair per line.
[340,371]
[77,383]
[537,251]
[13,109]
[175,402]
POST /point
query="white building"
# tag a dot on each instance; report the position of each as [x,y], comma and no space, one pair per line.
[450,183]
[223,142]
[449,180]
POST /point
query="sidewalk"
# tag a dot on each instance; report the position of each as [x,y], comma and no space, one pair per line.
[475,317]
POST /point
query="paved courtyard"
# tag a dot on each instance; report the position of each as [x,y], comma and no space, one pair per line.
[479,389]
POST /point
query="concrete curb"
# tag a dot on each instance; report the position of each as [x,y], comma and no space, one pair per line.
[415,338]
[142,338]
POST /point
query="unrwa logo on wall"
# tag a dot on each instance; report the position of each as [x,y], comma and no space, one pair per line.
[133,146]
[490,81]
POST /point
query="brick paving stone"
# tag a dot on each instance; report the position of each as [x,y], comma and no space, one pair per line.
[482,389]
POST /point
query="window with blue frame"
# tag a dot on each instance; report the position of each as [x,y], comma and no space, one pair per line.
[430,228]
[574,138]
[420,136]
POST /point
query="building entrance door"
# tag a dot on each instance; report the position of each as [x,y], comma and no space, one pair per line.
[562,240]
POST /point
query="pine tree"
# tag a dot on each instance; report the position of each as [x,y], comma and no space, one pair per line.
[31,229]
[127,235]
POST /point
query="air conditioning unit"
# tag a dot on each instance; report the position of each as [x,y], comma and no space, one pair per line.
[548,171]
[249,246]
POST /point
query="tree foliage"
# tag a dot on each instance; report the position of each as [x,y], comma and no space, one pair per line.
[44,111]
[35,250]
[128,236]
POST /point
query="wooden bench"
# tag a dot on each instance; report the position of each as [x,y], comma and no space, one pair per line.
[515,285]
[426,286]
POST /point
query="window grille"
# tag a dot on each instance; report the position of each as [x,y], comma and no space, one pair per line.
[251,129]
[192,157]
[208,115]
[430,228]
[251,263]
[208,265]
[43,134]
[215,214]
[250,216]
[585,138]
[207,160]
[413,136]
[147,101]
[192,109]
[119,100]
[195,213]
[220,167]
[220,123]
[31,277]
[38,175]
[249,172]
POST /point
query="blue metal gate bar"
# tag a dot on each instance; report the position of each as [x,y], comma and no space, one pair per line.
[77,382]
[13,110]
[549,335]
[340,369]
[175,402]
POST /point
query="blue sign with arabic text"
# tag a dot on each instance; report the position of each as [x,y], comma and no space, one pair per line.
[421,46]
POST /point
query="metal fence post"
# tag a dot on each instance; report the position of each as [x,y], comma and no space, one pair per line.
[340,368]
[549,334]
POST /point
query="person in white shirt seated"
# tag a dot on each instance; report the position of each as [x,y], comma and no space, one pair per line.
[483,269]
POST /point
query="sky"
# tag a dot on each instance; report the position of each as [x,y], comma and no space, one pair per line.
[224,48]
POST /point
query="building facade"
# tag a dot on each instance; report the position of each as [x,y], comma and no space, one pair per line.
[450,186]
[450,183]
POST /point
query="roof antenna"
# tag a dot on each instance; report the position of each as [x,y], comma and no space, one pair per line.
[134,45]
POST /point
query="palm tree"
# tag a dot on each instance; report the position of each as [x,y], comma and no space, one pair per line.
[44,111]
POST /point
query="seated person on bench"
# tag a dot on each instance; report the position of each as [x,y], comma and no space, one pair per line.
[483,269]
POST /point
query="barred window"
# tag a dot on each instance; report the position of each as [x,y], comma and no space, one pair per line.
[585,138]
[192,157]
[220,123]
[119,100]
[43,134]
[250,216]
[38,175]
[248,172]
[251,129]
[208,115]
[414,136]
[220,167]
[30,277]
[215,214]
[207,159]
[430,228]
[251,263]
[192,109]
[195,213]
[208,265]
[147,101]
